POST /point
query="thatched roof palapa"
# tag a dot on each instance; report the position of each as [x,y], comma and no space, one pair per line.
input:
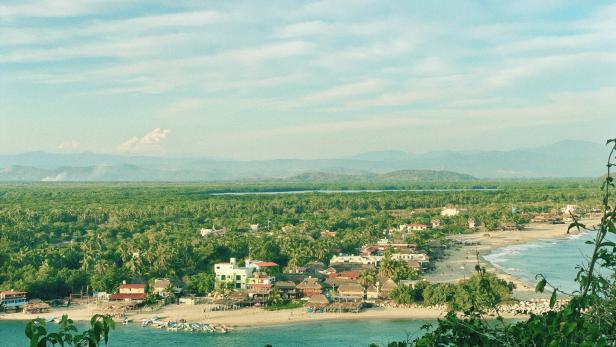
[318,300]
[310,283]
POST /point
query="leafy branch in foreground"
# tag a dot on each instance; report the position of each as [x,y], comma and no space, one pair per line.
[67,334]
[588,319]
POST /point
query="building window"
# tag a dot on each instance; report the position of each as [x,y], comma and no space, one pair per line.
[222,277]
[238,277]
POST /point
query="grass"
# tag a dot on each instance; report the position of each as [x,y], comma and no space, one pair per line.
[285,306]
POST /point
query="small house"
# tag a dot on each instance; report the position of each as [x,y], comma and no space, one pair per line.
[372,293]
[10,299]
[351,290]
[317,301]
[161,286]
[310,286]
[288,289]
[386,287]
[130,292]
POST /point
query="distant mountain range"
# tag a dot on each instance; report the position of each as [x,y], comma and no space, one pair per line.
[563,159]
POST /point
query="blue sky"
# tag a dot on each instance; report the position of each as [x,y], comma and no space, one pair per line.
[303,79]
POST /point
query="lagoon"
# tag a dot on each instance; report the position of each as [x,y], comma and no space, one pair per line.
[355,191]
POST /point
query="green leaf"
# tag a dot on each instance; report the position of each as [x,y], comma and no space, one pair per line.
[553,299]
[540,285]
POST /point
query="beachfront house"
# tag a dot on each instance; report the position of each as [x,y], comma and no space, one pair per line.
[130,292]
[260,285]
[317,301]
[161,286]
[231,272]
[310,286]
[288,289]
[386,287]
[372,293]
[12,300]
[351,290]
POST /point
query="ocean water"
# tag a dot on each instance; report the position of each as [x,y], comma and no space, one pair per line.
[555,259]
[325,333]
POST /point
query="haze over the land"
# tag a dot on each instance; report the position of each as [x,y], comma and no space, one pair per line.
[563,159]
[305,79]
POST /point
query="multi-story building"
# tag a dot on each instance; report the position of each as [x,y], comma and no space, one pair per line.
[233,273]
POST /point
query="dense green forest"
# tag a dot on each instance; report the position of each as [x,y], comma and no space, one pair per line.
[61,238]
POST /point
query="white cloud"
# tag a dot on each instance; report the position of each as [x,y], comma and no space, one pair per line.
[344,91]
[149,143]
[55,8]
[72,144]
[308,28]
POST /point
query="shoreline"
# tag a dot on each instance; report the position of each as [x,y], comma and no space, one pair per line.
[461,260]
[459,264]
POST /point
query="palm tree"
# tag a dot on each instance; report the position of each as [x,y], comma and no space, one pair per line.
[369,277]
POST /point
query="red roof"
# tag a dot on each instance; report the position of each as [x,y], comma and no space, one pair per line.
[12,292]
[265,264]
[348,274]
[133,296]
[132,285]
[259,285]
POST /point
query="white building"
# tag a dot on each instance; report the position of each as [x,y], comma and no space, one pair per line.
[420,257]
[450,212]
[354,259]
[232,272]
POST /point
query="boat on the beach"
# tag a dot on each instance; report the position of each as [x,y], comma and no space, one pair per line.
[183,325]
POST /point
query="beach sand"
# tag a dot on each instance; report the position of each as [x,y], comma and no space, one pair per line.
[460,262]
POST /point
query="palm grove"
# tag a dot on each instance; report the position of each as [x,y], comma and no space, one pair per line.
[56,240]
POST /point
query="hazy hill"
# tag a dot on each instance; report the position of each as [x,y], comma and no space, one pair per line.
[395,176]
[563,159]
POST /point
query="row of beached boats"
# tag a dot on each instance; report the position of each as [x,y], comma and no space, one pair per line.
[183,325]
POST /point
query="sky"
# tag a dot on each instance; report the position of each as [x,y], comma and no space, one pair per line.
[303,79]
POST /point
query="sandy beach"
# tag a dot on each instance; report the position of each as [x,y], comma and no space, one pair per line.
[458,265]
[460,262]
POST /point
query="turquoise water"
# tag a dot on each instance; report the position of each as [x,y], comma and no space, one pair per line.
[336,334]
[555,259]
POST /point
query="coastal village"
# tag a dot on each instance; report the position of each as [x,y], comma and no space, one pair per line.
[348,283]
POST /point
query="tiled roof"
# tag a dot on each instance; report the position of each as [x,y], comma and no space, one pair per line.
[265,264]
[134,296]
[11,292]
[132,285]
